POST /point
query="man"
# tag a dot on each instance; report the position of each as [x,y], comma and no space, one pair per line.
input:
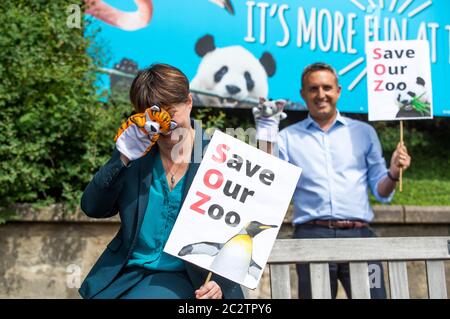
[341,159]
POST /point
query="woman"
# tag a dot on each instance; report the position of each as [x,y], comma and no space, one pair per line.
[146,181]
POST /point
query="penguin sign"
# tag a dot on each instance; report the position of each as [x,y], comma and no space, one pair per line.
[233,211]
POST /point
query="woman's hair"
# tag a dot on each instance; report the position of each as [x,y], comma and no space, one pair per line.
[159,84]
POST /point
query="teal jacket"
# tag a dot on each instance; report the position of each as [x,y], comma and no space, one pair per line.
[125,190]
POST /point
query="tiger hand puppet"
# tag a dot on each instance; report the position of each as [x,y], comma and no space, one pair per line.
[137,135]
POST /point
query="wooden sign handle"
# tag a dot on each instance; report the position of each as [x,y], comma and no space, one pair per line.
[401,169]
[208,278]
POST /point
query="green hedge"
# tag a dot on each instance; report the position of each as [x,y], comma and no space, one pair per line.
[54,131]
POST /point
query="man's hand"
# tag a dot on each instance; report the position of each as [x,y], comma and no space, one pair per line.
[400,160]
[210,290]
[140,132]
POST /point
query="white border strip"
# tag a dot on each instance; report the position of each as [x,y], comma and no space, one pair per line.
[357,80]
[404,6]
[359,5]
[393,4]
[351,66]
[420,8]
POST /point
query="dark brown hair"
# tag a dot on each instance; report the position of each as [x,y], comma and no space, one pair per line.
[318,66]
[160,84]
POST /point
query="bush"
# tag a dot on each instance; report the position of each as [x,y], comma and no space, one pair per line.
[55,132]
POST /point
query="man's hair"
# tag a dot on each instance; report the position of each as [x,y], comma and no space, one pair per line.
[318,66]
[159,84]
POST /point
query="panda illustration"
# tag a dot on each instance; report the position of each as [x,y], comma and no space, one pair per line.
[232,72]
[414,101]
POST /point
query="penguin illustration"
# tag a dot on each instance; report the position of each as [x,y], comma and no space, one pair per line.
[226,4]
[234,257]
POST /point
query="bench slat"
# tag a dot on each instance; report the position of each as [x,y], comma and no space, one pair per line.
[398,280]
[358,251]
[437,288]
[320,281]
[359,280]
[362,249]
[280,281]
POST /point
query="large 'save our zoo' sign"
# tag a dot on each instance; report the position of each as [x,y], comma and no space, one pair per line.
[234,209]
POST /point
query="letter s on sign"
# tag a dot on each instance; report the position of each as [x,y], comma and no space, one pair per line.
[377,54]
[221,156]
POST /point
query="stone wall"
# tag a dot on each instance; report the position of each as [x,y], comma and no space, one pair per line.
[46,253]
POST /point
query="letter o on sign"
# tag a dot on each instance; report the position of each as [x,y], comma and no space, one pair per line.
[218,180]
[380,69]
[232,215]
[215,211]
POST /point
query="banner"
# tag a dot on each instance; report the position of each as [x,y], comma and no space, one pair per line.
[399,80]
[235,51]
[233,211]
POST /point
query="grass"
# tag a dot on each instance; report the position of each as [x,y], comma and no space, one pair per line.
[423,192]
[426,182]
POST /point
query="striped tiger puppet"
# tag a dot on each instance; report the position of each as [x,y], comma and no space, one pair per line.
[139,133]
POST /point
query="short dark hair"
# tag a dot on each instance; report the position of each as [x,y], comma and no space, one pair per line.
[160,84]
[318,66]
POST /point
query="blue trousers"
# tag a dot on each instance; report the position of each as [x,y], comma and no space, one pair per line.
[139,283]
[338,271]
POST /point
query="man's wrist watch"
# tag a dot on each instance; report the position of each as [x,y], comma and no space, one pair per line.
[392,178]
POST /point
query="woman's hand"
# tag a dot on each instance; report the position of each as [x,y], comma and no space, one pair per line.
[210,290]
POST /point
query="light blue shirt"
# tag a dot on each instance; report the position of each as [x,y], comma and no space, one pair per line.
[338,166]
[162,211]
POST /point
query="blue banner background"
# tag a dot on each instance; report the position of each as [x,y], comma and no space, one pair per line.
[176,25]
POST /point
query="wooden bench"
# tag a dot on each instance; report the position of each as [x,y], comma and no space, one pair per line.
[358,251]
